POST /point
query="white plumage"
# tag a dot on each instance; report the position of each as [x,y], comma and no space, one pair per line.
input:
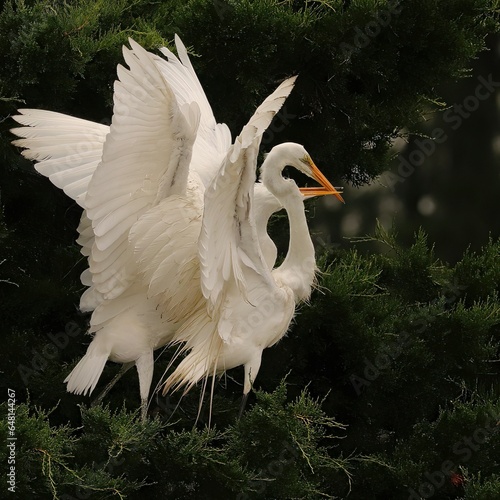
[174,225]
[246,307]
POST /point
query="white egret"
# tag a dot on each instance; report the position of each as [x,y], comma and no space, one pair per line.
[163,142]
[246,307]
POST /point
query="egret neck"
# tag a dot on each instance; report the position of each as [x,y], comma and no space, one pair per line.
[298,269]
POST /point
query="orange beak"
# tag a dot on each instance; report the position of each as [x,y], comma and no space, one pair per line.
[326,188]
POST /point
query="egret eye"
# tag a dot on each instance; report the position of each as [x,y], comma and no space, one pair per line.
[306,166]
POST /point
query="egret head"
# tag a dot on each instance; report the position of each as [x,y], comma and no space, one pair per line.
[295,155]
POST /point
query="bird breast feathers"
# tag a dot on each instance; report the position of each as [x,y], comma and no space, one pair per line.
[263,318]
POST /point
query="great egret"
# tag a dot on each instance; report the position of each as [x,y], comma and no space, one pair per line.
[247,307]
[123,174]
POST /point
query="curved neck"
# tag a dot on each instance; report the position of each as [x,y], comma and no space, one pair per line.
[298,269]
[267,246]
[300,261]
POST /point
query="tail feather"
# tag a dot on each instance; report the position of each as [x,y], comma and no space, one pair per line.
[189,372]
[203,346]
[86,373]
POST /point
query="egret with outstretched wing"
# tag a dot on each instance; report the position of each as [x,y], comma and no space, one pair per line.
[248,307]
[122,174]
[242,307]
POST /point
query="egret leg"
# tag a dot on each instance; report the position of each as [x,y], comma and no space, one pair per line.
[251,369]
[243,404]
[144,409]
[145,365]
[125,367]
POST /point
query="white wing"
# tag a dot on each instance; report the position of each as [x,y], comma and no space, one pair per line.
[145,159]
[213,139]
[165,247]
[228,244]
[67,149]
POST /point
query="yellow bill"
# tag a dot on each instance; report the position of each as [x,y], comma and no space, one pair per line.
[326,188]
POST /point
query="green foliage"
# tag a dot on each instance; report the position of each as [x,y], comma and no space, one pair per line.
[480,272]
[52,50]
[280,441]
[45,458]
[488,489]
[274,448]
[469,440]
[367,85]
[401,397]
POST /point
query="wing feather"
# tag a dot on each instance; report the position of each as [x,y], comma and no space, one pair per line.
[164,242]
[213,139]
[68,149]
[228,241]
[145,159]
